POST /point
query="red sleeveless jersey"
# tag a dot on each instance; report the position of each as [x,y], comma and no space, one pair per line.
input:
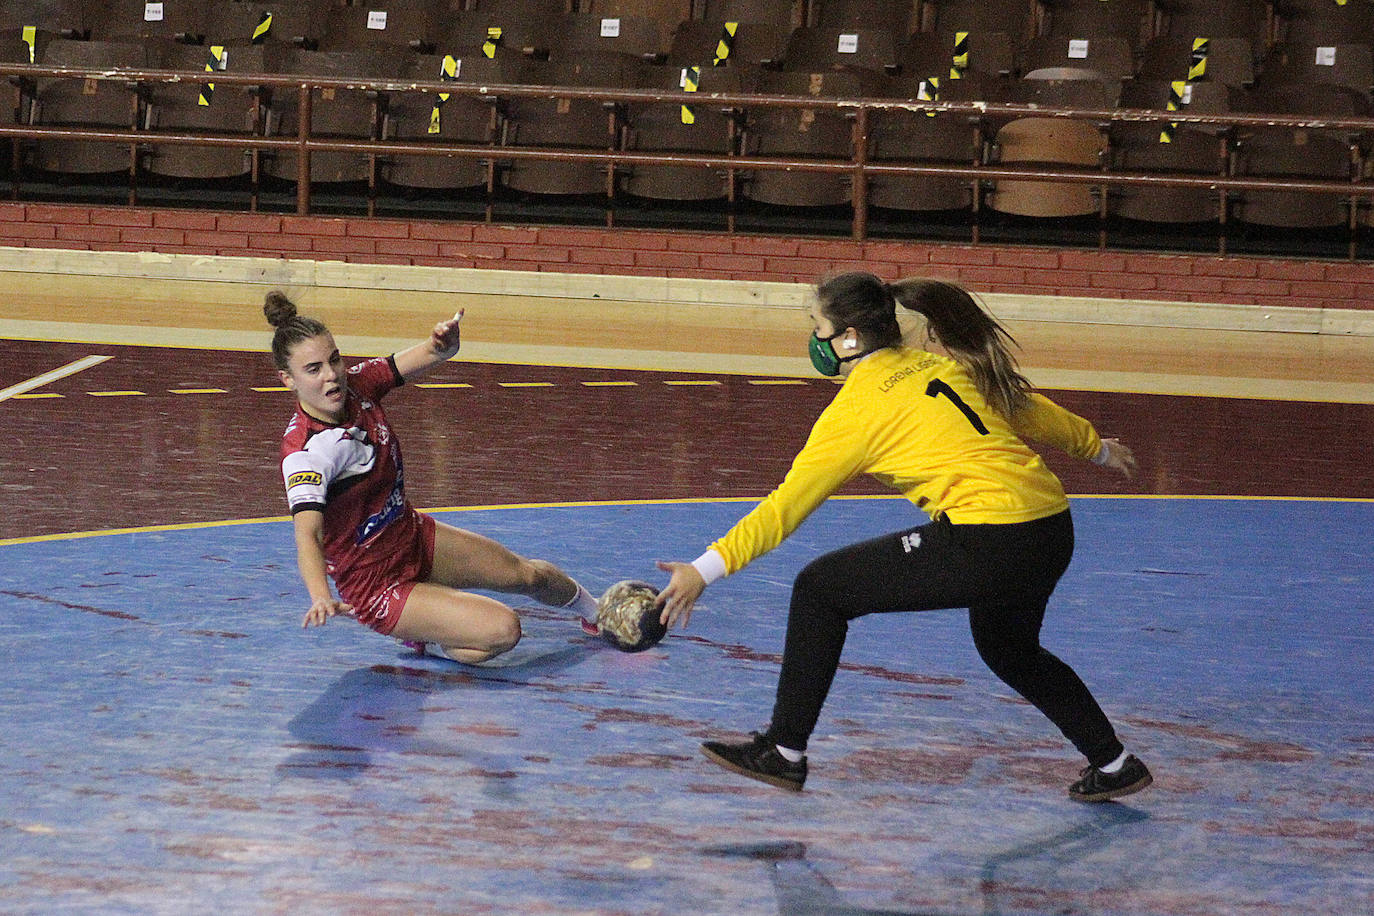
[353,473]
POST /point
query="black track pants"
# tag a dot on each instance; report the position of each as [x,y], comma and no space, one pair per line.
[1003,574]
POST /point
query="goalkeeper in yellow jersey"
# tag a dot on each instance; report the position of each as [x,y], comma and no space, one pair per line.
[944,426]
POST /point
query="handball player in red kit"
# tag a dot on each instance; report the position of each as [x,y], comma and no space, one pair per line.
[397,570]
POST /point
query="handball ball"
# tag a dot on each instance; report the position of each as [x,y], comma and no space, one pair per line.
[627,617]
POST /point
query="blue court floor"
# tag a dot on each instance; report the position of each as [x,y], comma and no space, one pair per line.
[175,743]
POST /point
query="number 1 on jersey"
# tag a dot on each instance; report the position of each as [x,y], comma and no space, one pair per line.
[937,388]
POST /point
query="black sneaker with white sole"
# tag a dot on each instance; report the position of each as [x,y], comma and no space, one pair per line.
[758,759]
[1093,785]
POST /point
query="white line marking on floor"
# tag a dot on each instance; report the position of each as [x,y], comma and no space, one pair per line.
[38,381]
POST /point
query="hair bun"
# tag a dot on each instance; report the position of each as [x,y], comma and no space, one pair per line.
[278,309]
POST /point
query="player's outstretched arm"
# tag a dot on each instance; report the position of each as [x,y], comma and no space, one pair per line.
[680,595]
[309,526]
[442,345]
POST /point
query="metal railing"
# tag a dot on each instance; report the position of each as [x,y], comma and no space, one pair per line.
[858,165]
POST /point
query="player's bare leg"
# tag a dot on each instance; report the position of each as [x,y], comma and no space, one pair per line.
[464,559]
[469,628]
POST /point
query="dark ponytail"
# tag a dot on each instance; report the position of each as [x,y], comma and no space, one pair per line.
[291,328]
[973,337]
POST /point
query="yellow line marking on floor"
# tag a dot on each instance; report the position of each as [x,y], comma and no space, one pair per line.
[34,397]
[700,500]
[38,381]
[526,384]
[777,381]
[198,390]
[443,385]
[271,389]
[610,384]
[144,529]
[115,394]
[689,382]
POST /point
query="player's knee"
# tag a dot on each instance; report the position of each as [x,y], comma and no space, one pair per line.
[812,590]
[1010,660]
[498,639]
[808,582]
[505,634]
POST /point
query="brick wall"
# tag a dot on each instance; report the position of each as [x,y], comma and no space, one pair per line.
[989,268]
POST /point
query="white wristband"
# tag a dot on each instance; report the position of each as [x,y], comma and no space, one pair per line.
[711,565]
[1104,455]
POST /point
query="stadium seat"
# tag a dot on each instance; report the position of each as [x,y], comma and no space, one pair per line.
[801,133]
[133,20]
[420,117]
[683,127]
[1054,57]
[588,33]
[27,27]
[923,55]
[19,47]
[336,113]
[910,137]
[94,103]
[206,107]
[746,46]
[815,49]
[1299,153]
[384,25]
[52,18]
[565,123]
[249,22]
[982,36]
[494,35]
[1202,98]
[1216,19]
[1229,61]
[1165,146]
[1051,141]
[1290,64]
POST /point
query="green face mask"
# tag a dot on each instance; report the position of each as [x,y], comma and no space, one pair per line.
[823,355]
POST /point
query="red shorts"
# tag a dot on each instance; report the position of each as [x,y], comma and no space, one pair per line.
[380,592]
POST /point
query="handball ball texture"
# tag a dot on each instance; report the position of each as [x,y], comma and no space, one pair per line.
[627,617]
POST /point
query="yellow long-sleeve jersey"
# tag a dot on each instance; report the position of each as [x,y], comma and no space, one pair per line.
[915,421]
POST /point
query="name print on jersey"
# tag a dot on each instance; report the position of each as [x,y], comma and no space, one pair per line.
[904,373]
